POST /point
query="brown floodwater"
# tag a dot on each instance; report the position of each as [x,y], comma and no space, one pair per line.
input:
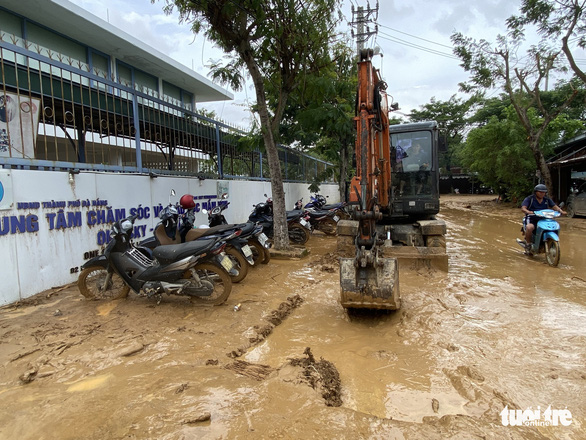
[498,329]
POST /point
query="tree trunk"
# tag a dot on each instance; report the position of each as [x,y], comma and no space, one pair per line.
[343,172]
[541,164]
[280,234]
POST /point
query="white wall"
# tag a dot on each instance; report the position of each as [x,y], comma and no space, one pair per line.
[43,245]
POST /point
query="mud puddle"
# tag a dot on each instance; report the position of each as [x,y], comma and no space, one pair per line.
[498,330]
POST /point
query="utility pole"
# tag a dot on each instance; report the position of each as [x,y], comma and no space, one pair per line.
[361,19]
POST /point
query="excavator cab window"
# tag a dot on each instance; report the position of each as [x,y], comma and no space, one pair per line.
[412,163]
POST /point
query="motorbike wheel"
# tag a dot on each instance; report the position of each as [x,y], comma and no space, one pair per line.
[218,277]
[92,284]
[328,226]
[298,234]
[258,252]
[552,252]
[570,210]
[239,262]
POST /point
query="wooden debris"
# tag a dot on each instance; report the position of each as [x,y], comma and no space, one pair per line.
[254,371]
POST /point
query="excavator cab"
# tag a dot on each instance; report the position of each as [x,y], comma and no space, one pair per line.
[415,170]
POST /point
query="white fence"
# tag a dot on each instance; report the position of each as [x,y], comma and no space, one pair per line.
[51,222]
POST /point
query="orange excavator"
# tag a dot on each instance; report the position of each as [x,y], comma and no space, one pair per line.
[393,218]
[369,280]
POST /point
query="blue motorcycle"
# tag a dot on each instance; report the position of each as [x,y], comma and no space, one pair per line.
[545,237]
[319,202]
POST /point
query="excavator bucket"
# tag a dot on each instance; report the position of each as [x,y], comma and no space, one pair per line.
[370,286]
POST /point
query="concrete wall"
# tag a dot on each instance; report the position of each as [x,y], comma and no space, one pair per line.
[51,222]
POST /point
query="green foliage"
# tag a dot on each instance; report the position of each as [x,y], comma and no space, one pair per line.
[497,151]
[318,117]
[314,186]
[324,106]
[452,117]
[252,140]
[488,108]
[497,148]
[279,42]
[524,80]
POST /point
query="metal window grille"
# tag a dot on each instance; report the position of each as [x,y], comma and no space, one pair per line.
[57,113]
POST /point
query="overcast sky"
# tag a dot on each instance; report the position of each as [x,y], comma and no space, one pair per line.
[414,37]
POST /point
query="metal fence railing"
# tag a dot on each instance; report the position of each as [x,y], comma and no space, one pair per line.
[57,113]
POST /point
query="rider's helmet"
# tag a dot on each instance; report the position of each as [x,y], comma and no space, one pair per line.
[186,201]
[540,187]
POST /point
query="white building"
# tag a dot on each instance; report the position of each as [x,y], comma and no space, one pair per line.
[96,125]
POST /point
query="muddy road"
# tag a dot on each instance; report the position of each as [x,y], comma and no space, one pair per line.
[498,330]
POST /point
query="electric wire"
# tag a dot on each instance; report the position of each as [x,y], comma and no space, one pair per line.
[389,37]
[415,36]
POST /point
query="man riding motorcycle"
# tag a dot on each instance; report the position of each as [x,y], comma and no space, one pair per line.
[536,202]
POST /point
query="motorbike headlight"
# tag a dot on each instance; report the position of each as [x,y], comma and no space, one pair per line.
[126,225]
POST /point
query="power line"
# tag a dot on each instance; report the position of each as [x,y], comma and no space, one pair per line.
[417,46]
[414,36]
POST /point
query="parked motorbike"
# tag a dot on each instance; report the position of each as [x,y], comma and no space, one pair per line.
[320,219]
[323,220]
[256,238]
[297,224]
[175,229]
[319,202]
[545,237]
[196,269]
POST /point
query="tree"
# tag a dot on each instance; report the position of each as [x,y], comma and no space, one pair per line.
[523,83]
[497,151]
[451,117]
[320,115]
[278,42]
[497,148]
[561,23]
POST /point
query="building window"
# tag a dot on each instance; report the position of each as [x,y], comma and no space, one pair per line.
[100,64]
[10,23]
[47,39]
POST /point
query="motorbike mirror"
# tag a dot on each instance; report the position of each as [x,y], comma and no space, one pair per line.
[171,194]
[204,211]
[224,196]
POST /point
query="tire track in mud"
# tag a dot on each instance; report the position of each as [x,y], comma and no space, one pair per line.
[320,375]
[274,318]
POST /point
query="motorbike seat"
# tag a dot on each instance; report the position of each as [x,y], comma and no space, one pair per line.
[292,215]
[333,206]
[175,252]
[247,228]
[195,234]
[316,213]
[192,234]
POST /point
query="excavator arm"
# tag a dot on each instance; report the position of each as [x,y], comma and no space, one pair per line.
[368,280]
